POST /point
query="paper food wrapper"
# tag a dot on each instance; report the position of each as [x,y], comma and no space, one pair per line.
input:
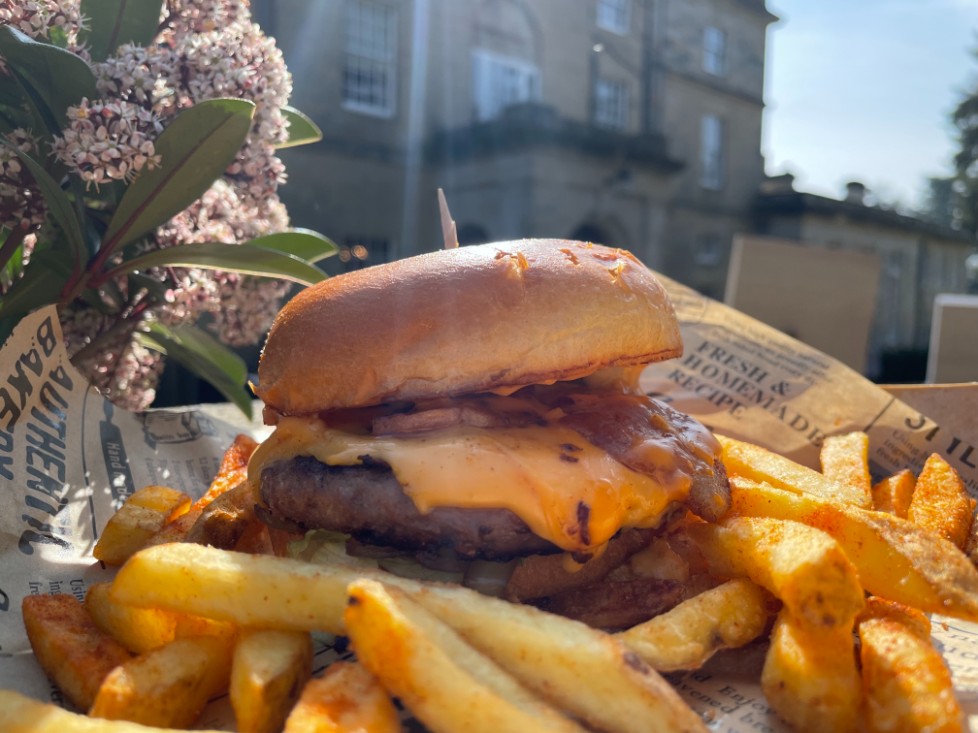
[69,458]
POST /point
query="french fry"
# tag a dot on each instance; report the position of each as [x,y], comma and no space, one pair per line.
[346,698]
[137,629]
[268,672]
[585,668]
[20,714]
[725,617]
[906,684]
[232,472]
[167,687]
[578,668]
[142,515]
[233,469]
[141,629]
[810,677]
[224,520]
[260,591]
[447,684]
[804,567]
[188,625]
[941,503]
[896,559]
[74,653]
[845,461]
[893,493]
[763,466]
[913,618]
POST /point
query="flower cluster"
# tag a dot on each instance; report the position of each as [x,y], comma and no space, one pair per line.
[136,74]
[204,49]
[108,141]
[21,205]
[45,20]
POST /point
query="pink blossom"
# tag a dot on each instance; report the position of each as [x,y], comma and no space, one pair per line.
[107,141]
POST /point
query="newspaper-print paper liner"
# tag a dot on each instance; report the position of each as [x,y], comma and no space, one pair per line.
[69,458]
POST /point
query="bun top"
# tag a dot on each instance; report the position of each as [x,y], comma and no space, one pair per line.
[458,321]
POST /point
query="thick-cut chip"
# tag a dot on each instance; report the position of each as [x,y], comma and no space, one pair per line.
[763,466]
[444,682]
[258,591]
[896,559]
[167,687]
[725,617]
[913,618]
[233,469]
[20,714]
[893,493]
[223,522]
[71,649]
[804,567]
[810,677]
[137,629]
[941,503]
[845,461]
[346,698]
[232,472]
[143,514]
[188,624]
[907,685]
[267,675]
[141,629]
[581,668]
[578,668]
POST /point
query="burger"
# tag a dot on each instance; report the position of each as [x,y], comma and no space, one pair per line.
[477,411]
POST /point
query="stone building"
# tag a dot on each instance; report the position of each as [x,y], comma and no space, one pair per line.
[629,122]
[919,260]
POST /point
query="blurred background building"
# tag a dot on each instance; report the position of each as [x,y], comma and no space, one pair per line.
[628,122]
[634,123]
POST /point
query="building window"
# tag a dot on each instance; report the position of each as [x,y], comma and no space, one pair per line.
[711,152]
[709,250]
[614,15]
[500,81]
[611,104]
[369,63]
[714,51]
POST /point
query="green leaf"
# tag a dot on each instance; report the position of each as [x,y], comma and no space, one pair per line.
[58,77]
[41,284]
[243,258]
[59,206]
[303,243]
[205,356]
[112,23]
[154,287]
[302,130]
[195,148]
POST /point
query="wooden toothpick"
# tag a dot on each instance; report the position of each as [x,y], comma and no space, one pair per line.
[448,230]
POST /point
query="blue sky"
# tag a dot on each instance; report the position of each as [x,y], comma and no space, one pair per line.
[863,89]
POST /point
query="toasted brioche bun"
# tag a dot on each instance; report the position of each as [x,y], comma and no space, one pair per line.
[465,320]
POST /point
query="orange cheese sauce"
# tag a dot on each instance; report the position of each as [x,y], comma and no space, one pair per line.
[543,473]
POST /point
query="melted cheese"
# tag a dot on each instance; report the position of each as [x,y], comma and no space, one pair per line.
[565,489]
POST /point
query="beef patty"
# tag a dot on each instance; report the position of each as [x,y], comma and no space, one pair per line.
[368,503]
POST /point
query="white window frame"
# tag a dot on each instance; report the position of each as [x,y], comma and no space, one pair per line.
[611,104]
[614,15]
[370,46]
[499,81]
[715,51]
[709,250]
[712,155]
